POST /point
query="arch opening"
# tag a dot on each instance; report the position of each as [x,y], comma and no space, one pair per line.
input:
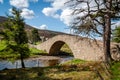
[60,48]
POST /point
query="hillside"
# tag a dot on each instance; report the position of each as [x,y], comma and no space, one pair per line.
[28,28]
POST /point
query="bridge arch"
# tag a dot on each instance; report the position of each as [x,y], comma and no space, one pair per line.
[82,48]
[56,46]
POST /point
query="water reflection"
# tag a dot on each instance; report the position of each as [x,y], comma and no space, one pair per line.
[34,62]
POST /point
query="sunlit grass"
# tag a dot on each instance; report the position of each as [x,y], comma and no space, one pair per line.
[34,51]
[65,48]
[75,61]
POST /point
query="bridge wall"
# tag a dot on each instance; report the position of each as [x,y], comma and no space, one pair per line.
[82,48]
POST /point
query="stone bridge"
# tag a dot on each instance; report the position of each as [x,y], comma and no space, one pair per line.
[82,48]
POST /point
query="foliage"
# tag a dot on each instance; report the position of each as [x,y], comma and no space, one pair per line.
[35,36]
[2,45]
[15,35]
[115,69]
[116,35]
[6,52]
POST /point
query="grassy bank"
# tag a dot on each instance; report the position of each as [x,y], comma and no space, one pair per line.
[12,55]
[72,70]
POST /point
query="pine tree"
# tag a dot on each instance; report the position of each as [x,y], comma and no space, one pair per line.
[35,36]
[15,34]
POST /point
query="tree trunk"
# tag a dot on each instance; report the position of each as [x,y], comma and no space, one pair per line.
[22,61]
[107,34]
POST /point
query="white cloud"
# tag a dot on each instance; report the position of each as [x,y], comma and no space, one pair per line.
[28,14]
[1,1]
[63,10]
[59,10]
[19,3]
[23,5]
[43,27]
[55,6]
[59,4]
[66,16]
[50,12]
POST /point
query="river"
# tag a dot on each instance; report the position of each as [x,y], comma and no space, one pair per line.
[42,61]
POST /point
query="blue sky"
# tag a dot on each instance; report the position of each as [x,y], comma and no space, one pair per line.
[41,14]
[45,14]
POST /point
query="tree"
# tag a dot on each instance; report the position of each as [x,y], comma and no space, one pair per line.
[95,18]
[15,34]
[35,36]
[116,35]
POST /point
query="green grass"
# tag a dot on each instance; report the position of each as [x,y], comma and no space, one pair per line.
[75,61]
[12,55]
[115,70]
[34,51]
[65,48]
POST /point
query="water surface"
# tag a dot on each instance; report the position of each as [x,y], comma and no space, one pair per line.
[42,61]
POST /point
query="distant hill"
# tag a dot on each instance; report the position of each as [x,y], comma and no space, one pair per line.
[2,19]
[28,28]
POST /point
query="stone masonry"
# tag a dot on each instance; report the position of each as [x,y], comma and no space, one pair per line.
[82,48]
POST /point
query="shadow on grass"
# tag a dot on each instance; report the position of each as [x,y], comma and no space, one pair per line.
[24,74]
